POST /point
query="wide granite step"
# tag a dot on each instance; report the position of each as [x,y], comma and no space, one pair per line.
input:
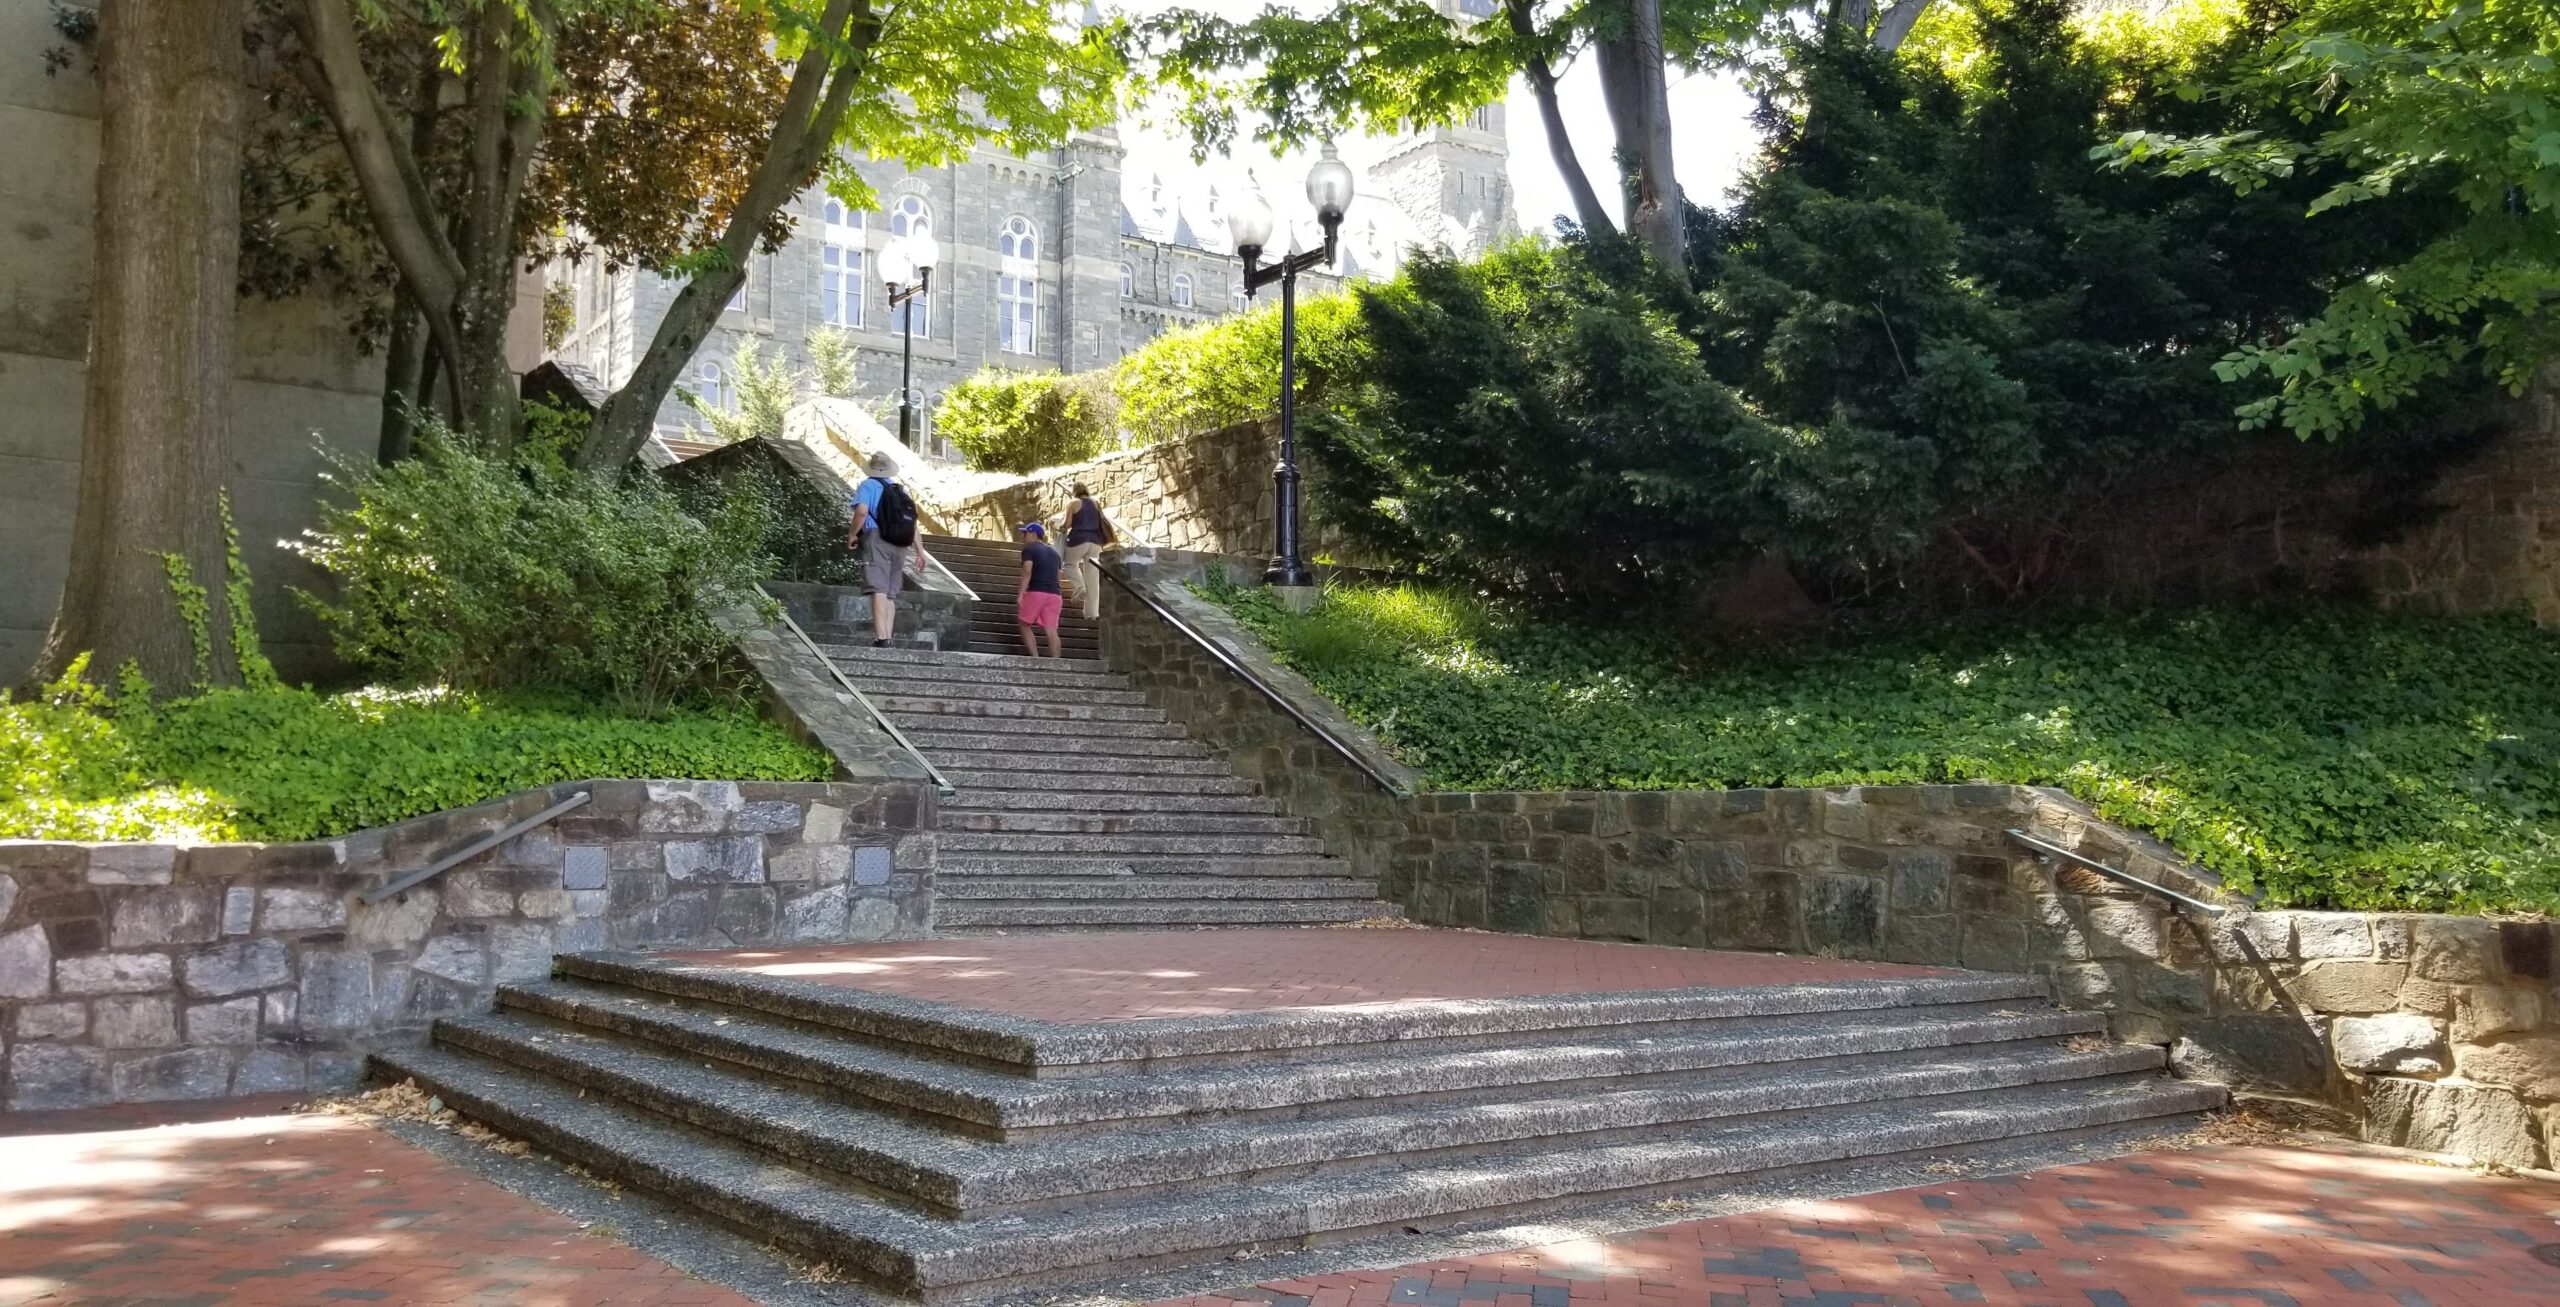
[954,662]
[1176,776]
[960,1176]
[1113,865]
[1078,691]
[950,887]
[938,1259]
[962,814]
[1098,794]
[863,664]
[974,749]
[951,840]
[1059,706]
[985,724]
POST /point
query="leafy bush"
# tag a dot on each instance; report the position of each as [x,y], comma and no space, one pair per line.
[2330,758]
[804,532]
[280,764]
[1024,421]
[1216,375]
[478,572]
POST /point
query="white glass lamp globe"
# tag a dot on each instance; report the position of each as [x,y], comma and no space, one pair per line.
[1251,222]
[924,250]
[897,263]
[1329,186]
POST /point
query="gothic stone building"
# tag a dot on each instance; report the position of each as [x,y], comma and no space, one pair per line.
[1064,260]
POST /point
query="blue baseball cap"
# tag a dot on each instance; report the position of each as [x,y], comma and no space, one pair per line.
[1033,529]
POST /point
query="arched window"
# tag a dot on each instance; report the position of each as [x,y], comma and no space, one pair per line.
[711,384]
[1128,282]
[840,266]
[1018,287]
[1182,290]
[1018,240]
[911,216]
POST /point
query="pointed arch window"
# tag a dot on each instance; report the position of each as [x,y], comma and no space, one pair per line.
[839,265]
[911,216]
[1018,287]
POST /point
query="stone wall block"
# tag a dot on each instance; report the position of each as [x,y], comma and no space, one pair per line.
[2485,1123]
[336,993]
[398,922]
[164,916]
[2124,930]
[2526,949]
[51,1021]
[2463,949]
[132,864]
[735,860]
[134,1021]
[2528,1064]
[2332,934]
[184,1073]
[2484,1012]
[2269,1051]
[230,1021]
[2395,1043]
[236,967]
[47,1076]
[26,963]
[2349,987]
[2254,937]
[112,973]
[1844,912]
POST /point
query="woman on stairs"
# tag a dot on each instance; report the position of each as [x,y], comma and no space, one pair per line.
[1088,531]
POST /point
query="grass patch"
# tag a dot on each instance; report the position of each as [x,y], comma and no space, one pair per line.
[2328,757]
[287,764]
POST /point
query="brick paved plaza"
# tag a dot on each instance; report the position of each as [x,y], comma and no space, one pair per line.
[287,1208]
[1121,977]
[2217,1227]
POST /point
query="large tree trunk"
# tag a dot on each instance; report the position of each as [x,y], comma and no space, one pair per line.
[156,411]
[1587,208]
[1638,94]
[822,85]
[1897,24]
[404,374]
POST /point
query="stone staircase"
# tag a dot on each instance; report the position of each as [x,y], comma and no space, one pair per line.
[993,568]
[946,1153]
[1079,806]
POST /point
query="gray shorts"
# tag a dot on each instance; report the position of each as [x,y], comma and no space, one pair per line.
[884,566]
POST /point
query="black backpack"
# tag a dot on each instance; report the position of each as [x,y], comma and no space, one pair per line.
[896,514]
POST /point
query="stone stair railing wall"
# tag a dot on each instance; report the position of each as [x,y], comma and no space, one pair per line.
[141,972]
[2436,1032]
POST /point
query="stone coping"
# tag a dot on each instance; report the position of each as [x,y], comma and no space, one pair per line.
[1049,1046]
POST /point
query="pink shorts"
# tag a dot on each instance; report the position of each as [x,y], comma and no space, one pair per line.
[1038,608]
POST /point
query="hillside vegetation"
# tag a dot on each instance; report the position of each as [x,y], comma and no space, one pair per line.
[2332,757]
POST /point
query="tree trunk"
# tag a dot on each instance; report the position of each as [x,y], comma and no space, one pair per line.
[1897,23]
[156,412]
[822,85]
[1638,93]
[404,360]
[1587,208]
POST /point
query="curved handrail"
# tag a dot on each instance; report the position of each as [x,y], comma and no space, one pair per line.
[1367,768]
[2112,873]
[940,781]
[949,575]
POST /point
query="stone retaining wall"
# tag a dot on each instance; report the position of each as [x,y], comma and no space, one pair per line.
[137,972]
[2435,1032]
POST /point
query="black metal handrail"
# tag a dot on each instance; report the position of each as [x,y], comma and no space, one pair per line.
[477,847]
[940,781]
[2115,873]
[1367,768]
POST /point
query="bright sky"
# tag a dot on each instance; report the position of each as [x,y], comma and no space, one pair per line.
[1711,137]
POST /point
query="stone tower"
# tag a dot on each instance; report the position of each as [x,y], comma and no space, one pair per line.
[1454,182]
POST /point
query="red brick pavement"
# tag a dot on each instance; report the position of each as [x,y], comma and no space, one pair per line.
[2219,1227]
[289,1209]
[1141,974]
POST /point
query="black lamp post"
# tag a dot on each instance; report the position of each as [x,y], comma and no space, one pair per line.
[906,264]
[1329,189]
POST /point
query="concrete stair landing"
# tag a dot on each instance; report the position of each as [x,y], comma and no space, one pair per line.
[948,1152]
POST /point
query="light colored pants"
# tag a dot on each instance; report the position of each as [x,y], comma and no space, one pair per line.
[1084,574]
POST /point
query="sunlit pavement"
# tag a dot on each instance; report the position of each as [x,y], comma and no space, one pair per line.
[98,1207]
[2244,1226]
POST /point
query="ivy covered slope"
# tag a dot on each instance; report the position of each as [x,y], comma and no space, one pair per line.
[2329,758]
[286,764]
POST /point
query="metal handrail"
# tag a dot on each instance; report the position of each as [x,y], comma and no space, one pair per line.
[940,781]
[2116,873]
[477,847]
[953,577]
[1390,784]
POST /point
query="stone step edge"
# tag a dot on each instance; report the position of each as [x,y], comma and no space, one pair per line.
[937,1259]
[956,1177]
[1042,1045]
[974,887]
[908,654]
[1136,914]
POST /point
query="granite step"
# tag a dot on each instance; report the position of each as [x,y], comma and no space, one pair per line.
[948,744]
[962,814]
[1065,706]
[1374,1051]
[949,662]
[1090,843]
[950,887]
[1080,691]
[1100,794]
[1177,776]
[967,915]
[916,1079]
[986,724]
[1080,864]
[1060,674]
[958,1176]
[942,1260]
